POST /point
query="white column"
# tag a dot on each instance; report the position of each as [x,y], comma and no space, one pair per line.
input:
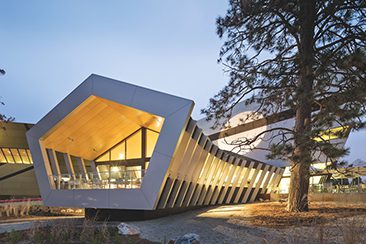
[235,183]
[270,173]
[69,166]
[55,166]
[215,179]
[94,169]
[223,173]
[82,168]
[252,181]
[204,172]
[273,180]
[214,165]
[259,183]
[244,182]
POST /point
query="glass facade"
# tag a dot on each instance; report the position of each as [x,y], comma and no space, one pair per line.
[134,146]
[119,152]
[151,139]
[125,163]
[15,156]
[142,140]
[122,166]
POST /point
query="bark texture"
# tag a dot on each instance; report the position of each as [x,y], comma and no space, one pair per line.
[299,184]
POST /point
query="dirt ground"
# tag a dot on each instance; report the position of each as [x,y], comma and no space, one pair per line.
[263,223]
[274,214]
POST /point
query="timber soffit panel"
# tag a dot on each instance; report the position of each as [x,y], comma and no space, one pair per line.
[185,169]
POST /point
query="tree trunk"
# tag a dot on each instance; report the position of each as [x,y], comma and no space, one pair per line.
[299,187]
[301,159]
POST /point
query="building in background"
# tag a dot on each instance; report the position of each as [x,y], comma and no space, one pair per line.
[324,178]
[17,178]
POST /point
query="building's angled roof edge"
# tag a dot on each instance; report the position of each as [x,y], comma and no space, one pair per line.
[139,86]
[279,165]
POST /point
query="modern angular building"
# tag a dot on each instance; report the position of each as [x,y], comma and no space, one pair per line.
[115,148]
[112,146]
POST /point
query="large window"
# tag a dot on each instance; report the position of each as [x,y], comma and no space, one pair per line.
[151,139]
[134,146]
[15,155]
[139,145]
[122,166]
[119,152]
[126,162]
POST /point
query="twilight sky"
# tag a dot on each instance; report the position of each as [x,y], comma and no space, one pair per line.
[49,47]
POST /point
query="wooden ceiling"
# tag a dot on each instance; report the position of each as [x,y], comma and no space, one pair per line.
[95,126]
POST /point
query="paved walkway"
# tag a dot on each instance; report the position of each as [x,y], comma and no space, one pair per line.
[233,224]
[211,228]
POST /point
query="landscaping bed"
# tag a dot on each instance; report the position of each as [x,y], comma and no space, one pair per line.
[70,231]
[18,211]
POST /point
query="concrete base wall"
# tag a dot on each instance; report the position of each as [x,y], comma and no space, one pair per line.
[338,197]
[132,215]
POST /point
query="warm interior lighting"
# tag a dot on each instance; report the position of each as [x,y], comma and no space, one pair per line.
[264,179]
[221,212]
[96,126]
[151,140]
[14,155]
[115,169]
[159,121]
[241,177]
[257,178]
[284,185]
[133,146]
[331,134]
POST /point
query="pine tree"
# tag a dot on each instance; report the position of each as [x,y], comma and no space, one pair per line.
[304,56]
[3,117]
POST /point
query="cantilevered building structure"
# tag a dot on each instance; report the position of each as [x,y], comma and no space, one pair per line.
[112,146]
